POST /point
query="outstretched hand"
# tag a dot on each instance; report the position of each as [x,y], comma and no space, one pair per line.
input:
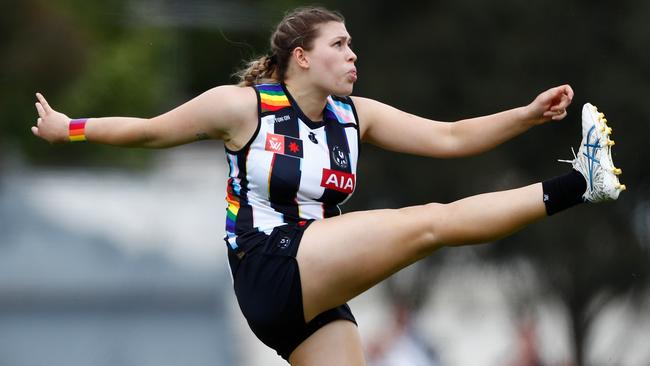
[51,125]
[551,104]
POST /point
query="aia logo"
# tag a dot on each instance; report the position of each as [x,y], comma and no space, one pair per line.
[285,145]
[338,181]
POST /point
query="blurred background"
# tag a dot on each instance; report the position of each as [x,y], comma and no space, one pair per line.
[114,256]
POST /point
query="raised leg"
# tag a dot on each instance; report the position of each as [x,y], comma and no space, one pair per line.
[341,257]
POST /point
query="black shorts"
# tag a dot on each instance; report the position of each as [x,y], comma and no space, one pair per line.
[269,293]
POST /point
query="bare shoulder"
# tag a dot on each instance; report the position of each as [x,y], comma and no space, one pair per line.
[234,101]
[368,111]
[362,103]
[235,109]
[370,108]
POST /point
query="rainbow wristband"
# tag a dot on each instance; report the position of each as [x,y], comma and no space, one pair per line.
[77,130]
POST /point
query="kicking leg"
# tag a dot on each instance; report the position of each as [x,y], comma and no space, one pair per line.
[343,256]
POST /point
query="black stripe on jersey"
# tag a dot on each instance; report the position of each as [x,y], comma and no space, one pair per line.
[284,178]
[244,221]
[339,154]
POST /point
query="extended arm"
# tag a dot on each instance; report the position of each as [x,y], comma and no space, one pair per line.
[218,113]
[395,130]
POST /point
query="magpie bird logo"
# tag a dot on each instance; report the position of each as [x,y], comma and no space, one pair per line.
[340,157]
[312,137]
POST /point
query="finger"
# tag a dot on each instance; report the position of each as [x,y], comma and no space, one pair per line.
[559,116]
[40,109]
[553,113]
[44,103]
[35,131]
[569,92]
[562,105]
[38,121]
[563,90]
[565,102]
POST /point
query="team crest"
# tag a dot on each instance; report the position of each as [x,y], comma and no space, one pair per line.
[340,157]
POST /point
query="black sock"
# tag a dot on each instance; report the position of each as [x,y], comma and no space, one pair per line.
[563,191]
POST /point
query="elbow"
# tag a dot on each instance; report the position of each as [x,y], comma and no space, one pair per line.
[148,137]
[448,147]
[456,144]
[460,150]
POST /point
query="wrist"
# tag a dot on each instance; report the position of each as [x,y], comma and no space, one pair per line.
[529,116]
[77,130]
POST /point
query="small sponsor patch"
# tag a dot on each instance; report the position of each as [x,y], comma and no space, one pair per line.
[285,145]
[275,143]
[281,119]
[338,181]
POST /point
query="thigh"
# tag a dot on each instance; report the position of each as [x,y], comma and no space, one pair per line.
[337,343]
[343,256]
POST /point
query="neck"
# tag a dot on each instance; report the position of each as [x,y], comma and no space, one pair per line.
[310,100]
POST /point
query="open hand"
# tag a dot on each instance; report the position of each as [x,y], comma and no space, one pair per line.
[51,125]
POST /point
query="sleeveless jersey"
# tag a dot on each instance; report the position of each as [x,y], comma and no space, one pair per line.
[292,169]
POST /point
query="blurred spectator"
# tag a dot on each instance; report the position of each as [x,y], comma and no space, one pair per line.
[527,352]
[401,344]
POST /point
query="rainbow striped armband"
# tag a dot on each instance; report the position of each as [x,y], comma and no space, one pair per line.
[77,130]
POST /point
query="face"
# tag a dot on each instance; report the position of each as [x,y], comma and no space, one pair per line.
[330,62]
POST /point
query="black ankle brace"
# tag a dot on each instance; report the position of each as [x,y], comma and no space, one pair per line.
[563,191]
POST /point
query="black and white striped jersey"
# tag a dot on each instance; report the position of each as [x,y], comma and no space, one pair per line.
[292,169]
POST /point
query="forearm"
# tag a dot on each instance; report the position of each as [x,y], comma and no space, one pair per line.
[151,133]
[480,134]
[476,135]
[120,131]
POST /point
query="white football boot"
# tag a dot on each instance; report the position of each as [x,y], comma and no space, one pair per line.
[594,159]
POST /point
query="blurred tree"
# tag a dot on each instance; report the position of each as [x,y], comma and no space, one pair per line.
[132,58]
[87,63]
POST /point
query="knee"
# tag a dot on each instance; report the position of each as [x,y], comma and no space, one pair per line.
[430,221]
[438,214]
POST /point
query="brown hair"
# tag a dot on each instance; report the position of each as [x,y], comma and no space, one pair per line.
[298,28]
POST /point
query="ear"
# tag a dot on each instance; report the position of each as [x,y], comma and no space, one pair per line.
[300,55]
